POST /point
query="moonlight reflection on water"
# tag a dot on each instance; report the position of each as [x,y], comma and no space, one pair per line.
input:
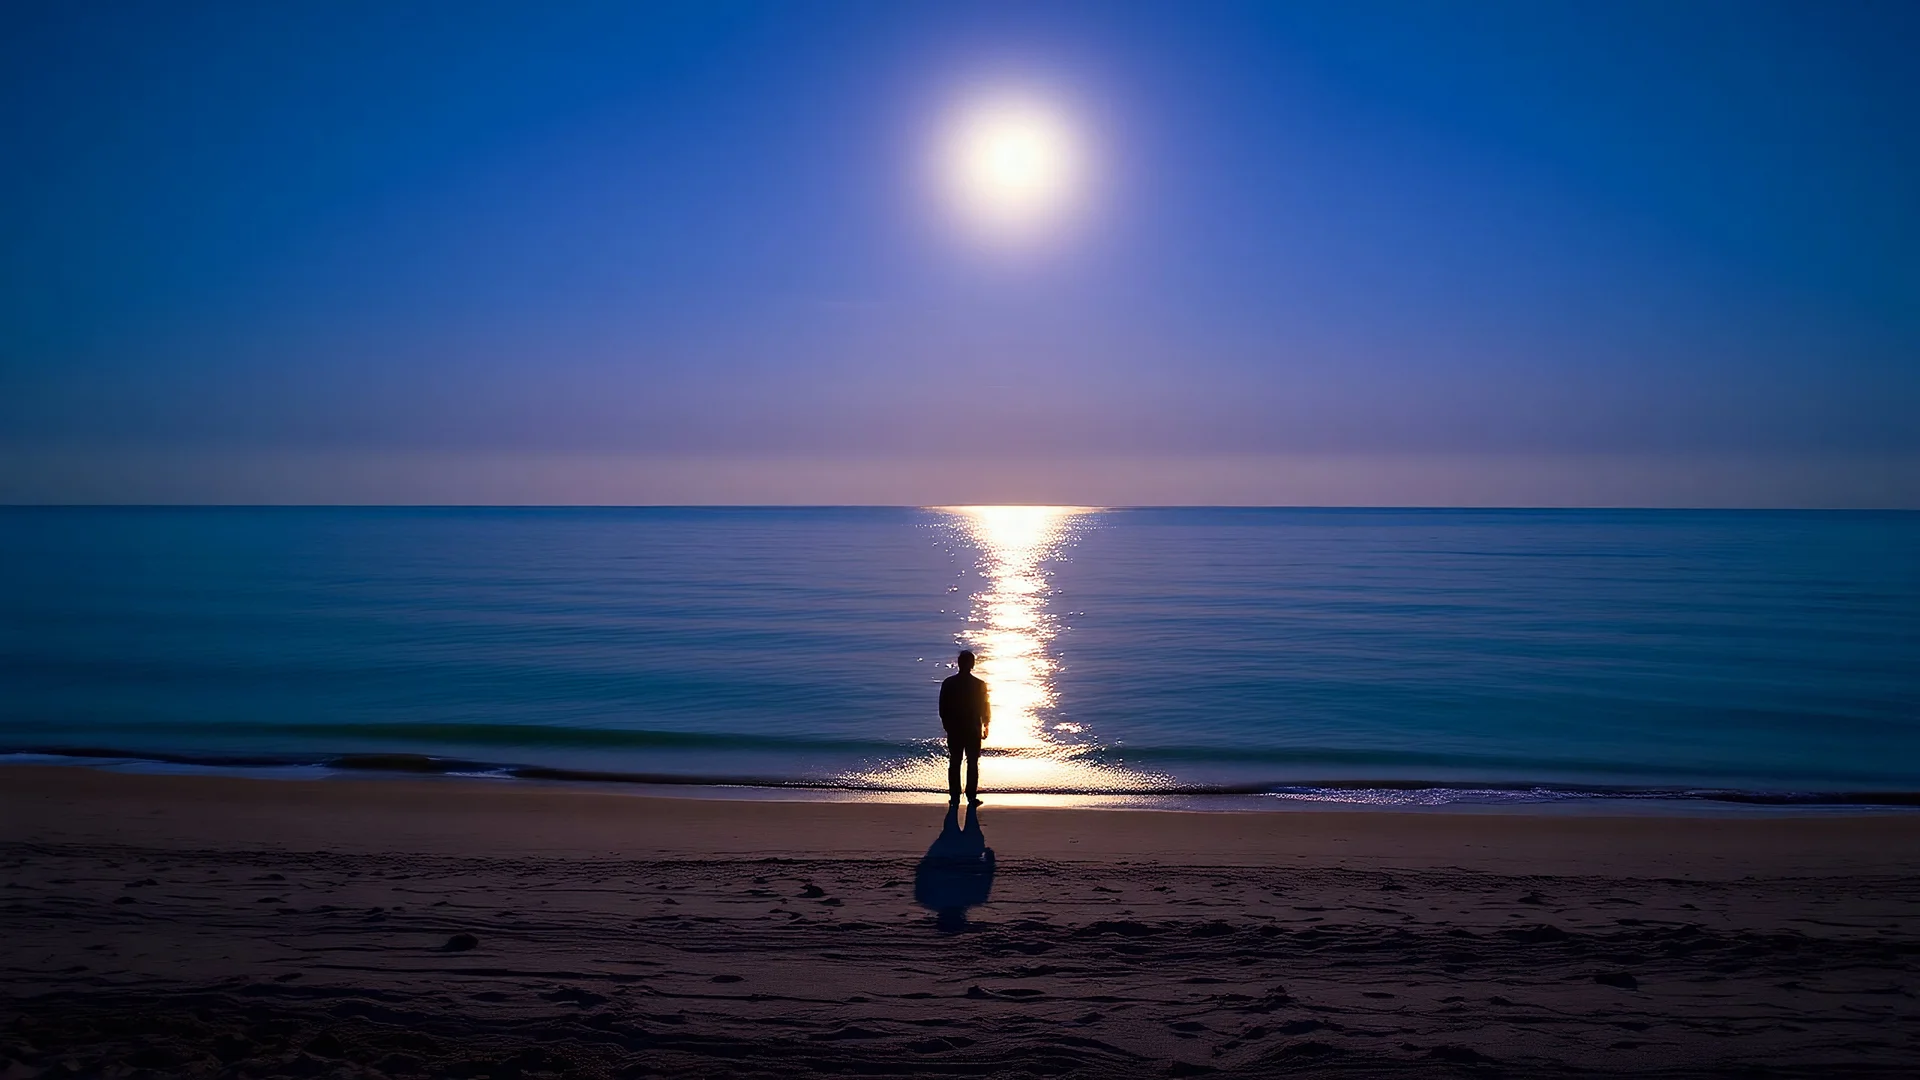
[1011,629]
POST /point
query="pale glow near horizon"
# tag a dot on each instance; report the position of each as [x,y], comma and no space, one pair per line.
[1012,164]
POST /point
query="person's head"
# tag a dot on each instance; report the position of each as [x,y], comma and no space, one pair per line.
[966,660]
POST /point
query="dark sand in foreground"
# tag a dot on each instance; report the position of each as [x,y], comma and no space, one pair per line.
[194,926]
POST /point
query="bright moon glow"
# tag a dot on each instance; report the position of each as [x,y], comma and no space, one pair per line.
[1011,164]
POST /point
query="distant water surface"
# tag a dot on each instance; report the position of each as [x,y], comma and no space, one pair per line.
[1379,656]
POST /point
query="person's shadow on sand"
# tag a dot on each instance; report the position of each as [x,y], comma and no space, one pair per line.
[957,872]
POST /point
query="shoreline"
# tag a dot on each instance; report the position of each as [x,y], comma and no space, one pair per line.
[1390,794]
[444,815]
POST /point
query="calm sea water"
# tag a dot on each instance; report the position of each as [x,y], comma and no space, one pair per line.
[1365,655]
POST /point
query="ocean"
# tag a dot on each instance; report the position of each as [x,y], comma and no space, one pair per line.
[1187,657]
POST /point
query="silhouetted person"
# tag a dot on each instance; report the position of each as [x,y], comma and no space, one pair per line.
[965,714]
[957,872]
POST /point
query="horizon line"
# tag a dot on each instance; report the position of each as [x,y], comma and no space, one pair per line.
[1081,507]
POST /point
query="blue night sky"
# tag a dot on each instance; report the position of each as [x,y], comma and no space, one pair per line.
[1413,253]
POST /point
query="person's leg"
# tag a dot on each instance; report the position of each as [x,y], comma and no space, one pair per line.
[973,770]
[953,770]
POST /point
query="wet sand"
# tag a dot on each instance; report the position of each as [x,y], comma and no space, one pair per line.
[197,926]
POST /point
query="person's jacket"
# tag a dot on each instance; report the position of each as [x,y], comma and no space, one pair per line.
[963,705]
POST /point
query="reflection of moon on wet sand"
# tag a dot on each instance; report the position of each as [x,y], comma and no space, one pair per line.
[956,873]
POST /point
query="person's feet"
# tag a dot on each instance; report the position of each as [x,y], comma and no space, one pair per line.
[973,800]
[953,799]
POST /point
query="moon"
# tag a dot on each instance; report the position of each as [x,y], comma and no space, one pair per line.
[1011,164]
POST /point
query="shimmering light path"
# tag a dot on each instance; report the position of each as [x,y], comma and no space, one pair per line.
[1012,632]
[1010,627]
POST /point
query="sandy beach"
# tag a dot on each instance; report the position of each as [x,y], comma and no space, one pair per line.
[212,926]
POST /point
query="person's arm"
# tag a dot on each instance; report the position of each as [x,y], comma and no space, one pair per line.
[986,712]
